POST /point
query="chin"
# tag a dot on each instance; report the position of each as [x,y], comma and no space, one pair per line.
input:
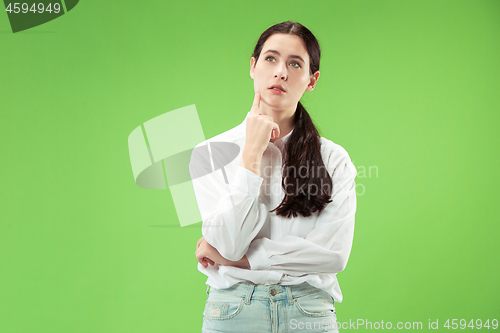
[273,105]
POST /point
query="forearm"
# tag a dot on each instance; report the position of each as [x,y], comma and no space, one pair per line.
[206,255]
[242,263]
[232,214]
[233,229]
[296,256]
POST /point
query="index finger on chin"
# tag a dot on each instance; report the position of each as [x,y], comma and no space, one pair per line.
[256,103]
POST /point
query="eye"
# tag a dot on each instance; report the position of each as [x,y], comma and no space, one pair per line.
[270,58]
[295,64]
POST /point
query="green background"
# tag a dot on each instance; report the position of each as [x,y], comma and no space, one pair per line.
[410,88]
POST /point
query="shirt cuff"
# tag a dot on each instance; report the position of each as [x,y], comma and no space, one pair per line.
[247,181]
[257,256]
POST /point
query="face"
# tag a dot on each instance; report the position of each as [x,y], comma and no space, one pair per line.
[283,64]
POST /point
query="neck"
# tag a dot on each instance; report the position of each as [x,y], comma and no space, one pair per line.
[283,117]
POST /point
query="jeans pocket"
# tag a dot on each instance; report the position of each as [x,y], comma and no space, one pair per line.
[221,308]
[319,304]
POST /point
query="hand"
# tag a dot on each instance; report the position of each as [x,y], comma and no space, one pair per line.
[259,128]
[207,254]
[204,260]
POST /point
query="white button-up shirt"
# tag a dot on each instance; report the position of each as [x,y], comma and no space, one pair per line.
[234,205]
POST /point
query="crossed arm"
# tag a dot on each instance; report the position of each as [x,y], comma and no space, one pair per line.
[206,255]
[329,243]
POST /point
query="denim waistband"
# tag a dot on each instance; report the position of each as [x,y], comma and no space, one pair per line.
[276,292]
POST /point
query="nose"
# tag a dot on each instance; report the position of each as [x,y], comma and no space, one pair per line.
[281,72]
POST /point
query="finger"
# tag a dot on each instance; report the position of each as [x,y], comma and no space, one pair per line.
[276,130]
[200,260]
[256,103]
[204,263]
[200,254]
[207,261]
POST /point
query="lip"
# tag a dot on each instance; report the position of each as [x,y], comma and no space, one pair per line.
[279,90]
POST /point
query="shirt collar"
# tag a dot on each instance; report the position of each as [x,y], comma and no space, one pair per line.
[280,143]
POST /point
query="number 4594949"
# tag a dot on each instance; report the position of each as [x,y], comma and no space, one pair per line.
[24,8]
[477,324]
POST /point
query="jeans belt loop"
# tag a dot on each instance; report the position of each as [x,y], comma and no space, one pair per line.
[289,295]
[248,297]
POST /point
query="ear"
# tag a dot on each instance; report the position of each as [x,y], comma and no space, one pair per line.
[252,67]
[313,80]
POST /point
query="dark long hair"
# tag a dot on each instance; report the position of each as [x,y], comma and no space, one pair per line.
[303,149]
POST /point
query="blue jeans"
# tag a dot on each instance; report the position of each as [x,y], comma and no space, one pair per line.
[254,308]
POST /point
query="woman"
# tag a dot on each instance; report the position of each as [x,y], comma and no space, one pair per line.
[278,220]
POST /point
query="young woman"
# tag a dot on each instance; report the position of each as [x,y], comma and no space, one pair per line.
[278,220]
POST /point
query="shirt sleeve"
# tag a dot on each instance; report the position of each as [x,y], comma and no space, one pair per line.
[230,207]
[327,247]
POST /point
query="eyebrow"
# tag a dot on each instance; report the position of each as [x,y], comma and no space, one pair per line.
[291,56]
